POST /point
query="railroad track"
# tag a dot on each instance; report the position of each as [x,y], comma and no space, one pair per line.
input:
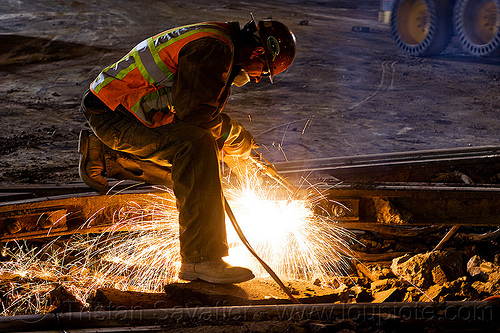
[29,212]
[481,163]
[400,205]
[470,316]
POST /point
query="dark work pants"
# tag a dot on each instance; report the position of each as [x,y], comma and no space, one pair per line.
[192,154]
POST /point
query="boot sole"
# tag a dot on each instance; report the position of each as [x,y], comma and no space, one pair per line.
[83,143]
[212,279]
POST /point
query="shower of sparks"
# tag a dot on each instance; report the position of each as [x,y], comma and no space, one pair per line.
[285,232]
[295,242]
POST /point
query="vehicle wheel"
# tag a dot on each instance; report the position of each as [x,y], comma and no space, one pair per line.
[477,25]
[422,27]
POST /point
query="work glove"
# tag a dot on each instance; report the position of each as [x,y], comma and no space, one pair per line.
[239,142]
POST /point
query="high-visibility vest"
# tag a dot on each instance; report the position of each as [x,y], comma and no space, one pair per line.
[142,80]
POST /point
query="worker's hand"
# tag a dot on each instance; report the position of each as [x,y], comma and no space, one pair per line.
[239,142]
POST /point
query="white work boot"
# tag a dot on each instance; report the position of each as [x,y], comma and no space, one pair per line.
[214,271]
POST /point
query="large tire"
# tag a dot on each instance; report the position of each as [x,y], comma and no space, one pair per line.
[422,27]
[477,25]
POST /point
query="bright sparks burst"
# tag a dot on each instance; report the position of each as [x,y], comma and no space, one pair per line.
[140,251]
[294,241]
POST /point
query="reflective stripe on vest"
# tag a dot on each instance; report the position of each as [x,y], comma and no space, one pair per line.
[141,81]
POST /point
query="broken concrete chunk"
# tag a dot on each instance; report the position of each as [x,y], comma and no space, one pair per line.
[380,284]
[494,278]
[487,276]
[486,267]
[439,276]
[483,288]
[418,269]
[474,268]
[473,265]
[431,294]
[390,295]
[390,214]
[365,271]
[455,285]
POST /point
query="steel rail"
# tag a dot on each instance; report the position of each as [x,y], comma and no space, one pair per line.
[21,207]
[459,312]
[462,165]
[429,204]
[451,156]
[350,167]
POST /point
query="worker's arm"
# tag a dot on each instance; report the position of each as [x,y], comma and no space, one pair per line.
[200,92]
[200,88]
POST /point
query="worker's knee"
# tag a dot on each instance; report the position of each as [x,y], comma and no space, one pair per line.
[195,139]
[204,141]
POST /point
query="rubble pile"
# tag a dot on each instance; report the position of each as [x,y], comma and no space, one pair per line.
[460,273]
[432,276]
[448,275]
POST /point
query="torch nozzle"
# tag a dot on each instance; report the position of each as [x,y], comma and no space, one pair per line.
[269,170]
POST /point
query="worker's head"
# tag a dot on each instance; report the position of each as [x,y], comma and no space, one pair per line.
[269,48]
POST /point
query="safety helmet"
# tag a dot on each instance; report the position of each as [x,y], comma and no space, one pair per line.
[279,45]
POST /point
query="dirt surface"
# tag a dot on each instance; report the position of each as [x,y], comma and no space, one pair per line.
[347,93]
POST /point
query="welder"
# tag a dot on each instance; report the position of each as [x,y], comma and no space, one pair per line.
[156,116]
